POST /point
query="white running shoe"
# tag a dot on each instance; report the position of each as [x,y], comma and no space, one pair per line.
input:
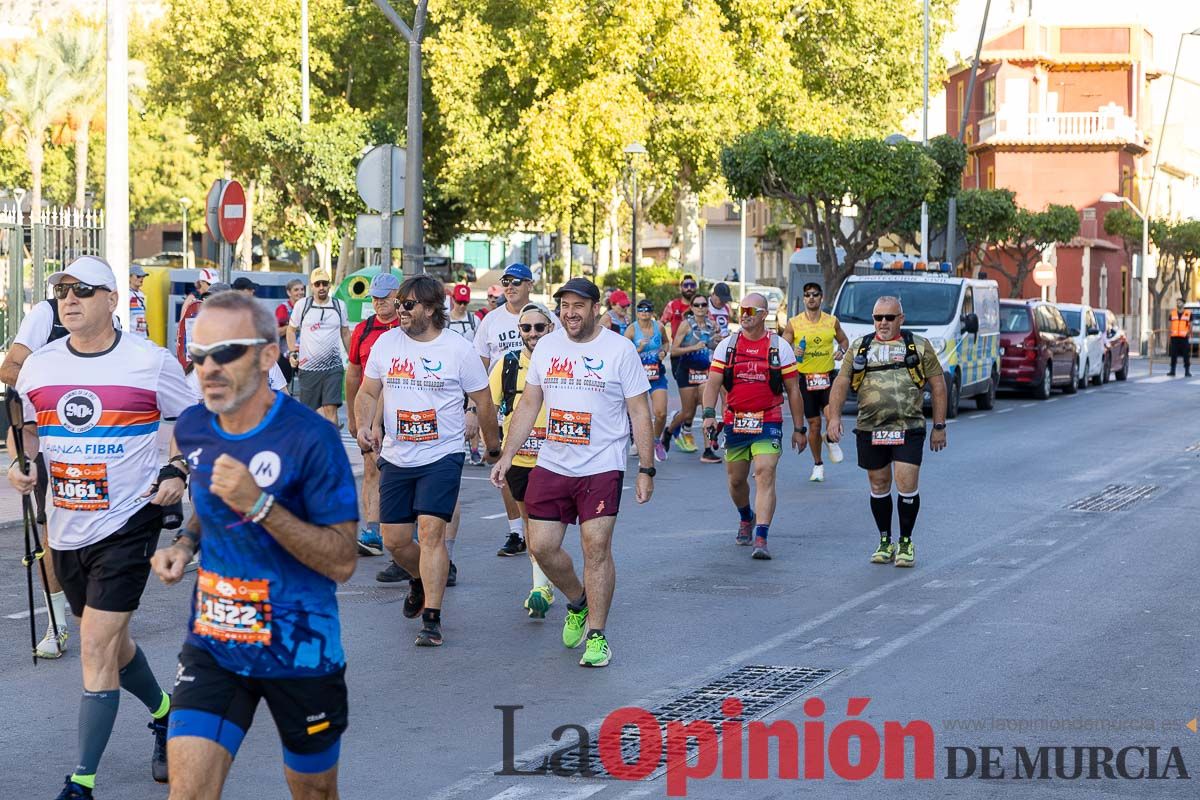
[49,647]
[835,452]
[818,473]
[633,453]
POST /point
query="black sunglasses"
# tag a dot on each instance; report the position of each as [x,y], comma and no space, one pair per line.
[81,290]
[687,286]
[320,283]
[407,305]
[812,294]
[506,282]
[700,305]
[540,327]
[222,352]
[645,309]
[885,317]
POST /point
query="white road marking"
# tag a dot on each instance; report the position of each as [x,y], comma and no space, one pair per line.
[475,478]
[954,583]
[494,516]
[1035,542]
[1193,383]
[1004,411]
[1028,405]
[951,421]
[25,614]
[995,561]
[1052,400]
[902,610]
[1156,379]
[529,791]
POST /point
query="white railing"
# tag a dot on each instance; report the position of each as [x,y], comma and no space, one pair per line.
[1106,125]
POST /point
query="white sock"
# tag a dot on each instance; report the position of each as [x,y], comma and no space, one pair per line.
[539,577]
[517,526]
[58,602]
[450,547]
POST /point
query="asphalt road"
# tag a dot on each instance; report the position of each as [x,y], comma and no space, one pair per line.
[1025,623]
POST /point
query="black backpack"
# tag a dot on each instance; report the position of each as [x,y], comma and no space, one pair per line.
[57,329]
[509,370]
[912,361]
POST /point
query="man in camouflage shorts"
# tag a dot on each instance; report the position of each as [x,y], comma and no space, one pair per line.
[890,369]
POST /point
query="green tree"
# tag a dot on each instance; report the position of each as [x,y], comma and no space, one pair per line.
[36,94]
[1018,247]
[951,156]
[984,216]
[79,50]
[167,163]
[1123,223]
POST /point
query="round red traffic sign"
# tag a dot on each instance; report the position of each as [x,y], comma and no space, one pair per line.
[231,212]
[1045,274]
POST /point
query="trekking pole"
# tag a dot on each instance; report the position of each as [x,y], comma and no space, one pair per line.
[33,545]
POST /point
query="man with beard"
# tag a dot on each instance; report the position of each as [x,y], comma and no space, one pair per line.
[589,379]
[317,332]
[672,317]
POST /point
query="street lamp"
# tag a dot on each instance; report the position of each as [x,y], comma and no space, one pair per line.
[633,154]
[187,245]
[1144,298]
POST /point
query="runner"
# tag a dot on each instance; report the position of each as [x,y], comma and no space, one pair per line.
[720,305]
[507,381]
[137,303]
[275,379]
[317,331]
[99,431]
[461,321]
[649,338]
[812,335]
[420,374]
[275,498]
[696,336]
[616,318]
[384,291]
[890,369]
[590,380]
[188,311]
[204,280]
[672,318]
[283,315]
[757,369]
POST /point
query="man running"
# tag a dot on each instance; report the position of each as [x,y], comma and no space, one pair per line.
[757,369]
[672,317]
[890,369]
[137,303]
[384,291]
[593,384]
[275,498]
[317,331]
[812,335]
[696,336]
[97,397]
[507,381]
[461,320]
[283,316]
[420,374]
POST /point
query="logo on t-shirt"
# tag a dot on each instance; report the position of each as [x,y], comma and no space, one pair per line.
[561,368]
[431,369]
[265,468]
[79,410]
[591,369]
[401,369]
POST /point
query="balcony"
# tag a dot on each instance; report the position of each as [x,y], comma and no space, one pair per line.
[1109,125]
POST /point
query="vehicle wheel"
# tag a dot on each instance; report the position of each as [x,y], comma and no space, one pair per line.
[1106,373]
[1073,385]
[953,391]
[1123,372]
[987,400]
[1083,379]
[1042,390]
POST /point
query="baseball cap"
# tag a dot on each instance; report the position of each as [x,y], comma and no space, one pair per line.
[242,283]
[688,277]
[580,286]
[136,271]
[461,293]
[87,269]
[207,275]
[319,274]
[619,298]
[219,286]
[495,290]
[384,284]
[519,270]
[721,290]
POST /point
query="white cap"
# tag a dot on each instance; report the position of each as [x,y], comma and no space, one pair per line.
[207,275]
[87,269]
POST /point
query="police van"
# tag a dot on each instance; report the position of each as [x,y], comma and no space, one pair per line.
[959,316]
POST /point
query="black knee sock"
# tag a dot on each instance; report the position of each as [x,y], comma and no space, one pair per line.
[137,679]
[910,504]
[881,509]
[97,713]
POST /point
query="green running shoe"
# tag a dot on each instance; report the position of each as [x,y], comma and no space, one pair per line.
[884,553]
[684,444]
[574,627]
[597,653]
[539,601]
[904,553]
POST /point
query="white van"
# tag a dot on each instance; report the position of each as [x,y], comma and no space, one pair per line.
[959,316]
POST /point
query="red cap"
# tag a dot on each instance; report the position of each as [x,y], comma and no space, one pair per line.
[495,290]
[619,298]
[461,293]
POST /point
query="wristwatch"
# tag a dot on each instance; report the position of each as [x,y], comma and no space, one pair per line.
[494,453]
[939,426]
[651,471]
[802,429]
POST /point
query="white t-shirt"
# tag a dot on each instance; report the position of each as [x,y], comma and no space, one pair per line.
[137,315]
[320,333]
[464,327]
[497,334]
[36,326]
[585,387]
[721,315]
[423,387]
[98,417]
[274,379]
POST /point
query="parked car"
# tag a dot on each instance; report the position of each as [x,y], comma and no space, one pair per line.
[173,259]
[1085,330]
[1037,352]
[1116,346]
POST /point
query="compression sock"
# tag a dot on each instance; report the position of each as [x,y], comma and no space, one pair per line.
[881,509]
[910,504]
[138,680]
[432,616]
[58,603]
[746,514]
[761,530]
[373,527]
[450,547]
[580,605]
[517,526]
[539,577]
[97,713]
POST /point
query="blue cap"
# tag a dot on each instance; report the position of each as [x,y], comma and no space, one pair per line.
[519,270]
[384,284]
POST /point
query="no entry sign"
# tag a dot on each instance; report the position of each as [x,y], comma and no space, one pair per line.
[231,212]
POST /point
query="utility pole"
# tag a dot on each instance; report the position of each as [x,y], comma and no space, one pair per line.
[116,161]
[304,111]
[952,217]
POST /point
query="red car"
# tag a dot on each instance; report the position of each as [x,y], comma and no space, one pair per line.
[1116,346]
[1037,352]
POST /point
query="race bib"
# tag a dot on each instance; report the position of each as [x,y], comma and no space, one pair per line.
[652,370]
[79,487]
[232,609]
[750,422]
[696,376]
[533,443]
[816,381]
[416,426]
[569,427]
[887,438]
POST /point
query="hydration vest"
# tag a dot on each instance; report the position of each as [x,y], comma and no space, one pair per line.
[912,361]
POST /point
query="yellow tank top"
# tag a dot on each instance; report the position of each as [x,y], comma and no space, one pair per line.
[813,342]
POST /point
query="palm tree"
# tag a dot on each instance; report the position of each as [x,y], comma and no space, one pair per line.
[80,53]
[35,95]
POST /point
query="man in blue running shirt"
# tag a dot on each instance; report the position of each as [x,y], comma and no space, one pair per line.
[276,502]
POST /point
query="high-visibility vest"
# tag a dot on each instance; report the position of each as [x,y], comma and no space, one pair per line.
[1181,323]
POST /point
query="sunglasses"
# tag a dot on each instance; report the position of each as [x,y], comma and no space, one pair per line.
[320,283]
[700,305]
[750,312]
[645,309]
[225,352]
[81,290]
[506,282]
[528,327]
[812,294]
[407,305]
[885,317]
[687,286]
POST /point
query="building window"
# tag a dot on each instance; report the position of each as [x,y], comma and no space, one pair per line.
[989,97]
[1124,290]
[991,178]
[958,94]
[968,140]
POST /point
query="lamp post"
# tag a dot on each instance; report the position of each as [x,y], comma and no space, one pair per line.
[925,141]
[186,203]
[742,250]
[632,154]
[1144,298]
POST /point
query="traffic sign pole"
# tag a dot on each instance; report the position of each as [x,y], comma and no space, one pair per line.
[385,216]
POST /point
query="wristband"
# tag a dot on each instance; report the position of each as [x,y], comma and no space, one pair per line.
[802,429]
[710,412]
[258,504]
[171,471]
[191,537]
[268,503]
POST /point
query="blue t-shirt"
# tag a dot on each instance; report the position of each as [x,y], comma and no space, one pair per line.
[257,609]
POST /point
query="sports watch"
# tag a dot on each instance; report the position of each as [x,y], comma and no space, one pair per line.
[651,471]
[939,426]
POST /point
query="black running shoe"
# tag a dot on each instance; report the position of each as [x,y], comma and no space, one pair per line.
[452,577]
[514,546]
[392,573]
[430,635]
[73,791]
[414,604]
[158,761]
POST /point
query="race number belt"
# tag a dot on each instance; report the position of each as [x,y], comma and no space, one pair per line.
[79,487]
[816,381]
[652,370]
[569,427]
[887,438]
[232,609]
[697,375]
[748,422]
[533,443]
[416,426]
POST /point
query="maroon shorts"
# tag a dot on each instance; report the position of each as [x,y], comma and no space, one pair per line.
[551,496]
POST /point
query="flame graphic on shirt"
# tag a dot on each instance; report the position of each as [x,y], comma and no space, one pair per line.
[401,369]
[561,368]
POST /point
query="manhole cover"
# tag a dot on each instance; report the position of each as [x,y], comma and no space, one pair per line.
[1114,498]
[730,586]
[762,689]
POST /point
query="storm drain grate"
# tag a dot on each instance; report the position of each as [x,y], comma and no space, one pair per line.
[762,689]
[730,587]
[370,595]
[1115,497]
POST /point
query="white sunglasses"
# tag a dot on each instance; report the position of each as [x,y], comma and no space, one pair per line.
[224,352]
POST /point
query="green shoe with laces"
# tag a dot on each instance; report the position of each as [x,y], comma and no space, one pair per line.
[904,553]
[574,627]
[884,553]
[597,653]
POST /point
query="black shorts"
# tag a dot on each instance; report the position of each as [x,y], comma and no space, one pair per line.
[406,493]
[213,703]
[878,456]
[815,400]
[518,481]
[110,575]
[682,371]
